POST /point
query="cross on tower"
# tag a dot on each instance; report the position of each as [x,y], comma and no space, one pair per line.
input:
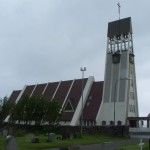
[119,9]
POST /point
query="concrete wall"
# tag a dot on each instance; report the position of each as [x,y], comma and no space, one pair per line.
[117,87]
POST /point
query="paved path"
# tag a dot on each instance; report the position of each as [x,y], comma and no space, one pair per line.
[106,145]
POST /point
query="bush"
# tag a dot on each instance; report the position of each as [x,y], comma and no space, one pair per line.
[77,135]
[19,133]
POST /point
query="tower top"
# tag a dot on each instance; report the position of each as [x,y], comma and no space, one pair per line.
[118,27]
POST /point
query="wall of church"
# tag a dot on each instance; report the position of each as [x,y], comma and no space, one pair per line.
[108,79]
[107,113]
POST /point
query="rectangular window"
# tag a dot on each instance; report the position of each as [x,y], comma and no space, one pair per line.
[132,108]
[132,95]
[131,83]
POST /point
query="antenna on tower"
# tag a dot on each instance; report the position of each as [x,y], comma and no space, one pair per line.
[119,9]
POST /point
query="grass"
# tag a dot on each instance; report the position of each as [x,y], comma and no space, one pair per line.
[134,147]
[24,141]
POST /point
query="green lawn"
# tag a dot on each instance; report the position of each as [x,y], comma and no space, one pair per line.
[24,142]
[134,147]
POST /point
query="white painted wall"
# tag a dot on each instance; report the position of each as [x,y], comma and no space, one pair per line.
[117,87]
[64,123]
[107,113]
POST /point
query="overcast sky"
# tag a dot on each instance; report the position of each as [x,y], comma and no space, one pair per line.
[49,40]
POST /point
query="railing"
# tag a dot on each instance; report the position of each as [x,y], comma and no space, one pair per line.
[139,133]
[139,130]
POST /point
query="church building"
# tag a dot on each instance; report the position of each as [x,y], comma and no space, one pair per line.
[107,102]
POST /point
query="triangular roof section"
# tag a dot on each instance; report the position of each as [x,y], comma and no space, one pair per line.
[68,107]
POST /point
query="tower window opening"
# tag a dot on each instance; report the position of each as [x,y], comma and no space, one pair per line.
[132,95]
[118,38]
[125,45]
[132,108]
[103,123]
[131,81]
[126,36]
[116,58]
[119,123]
[131,58]
[111,123]
[131,70]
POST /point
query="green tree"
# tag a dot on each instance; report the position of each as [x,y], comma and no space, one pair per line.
[5,109]
[28,110]
[39,110]
[17,113]
[53,112]
[36,109]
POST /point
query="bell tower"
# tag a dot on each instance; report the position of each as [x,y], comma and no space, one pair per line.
[119,91]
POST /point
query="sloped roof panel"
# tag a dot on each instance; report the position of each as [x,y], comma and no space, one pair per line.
[14,96]
[93,102]
[50,90]
[74,97]
[38,90]
[63,90]
[29,89]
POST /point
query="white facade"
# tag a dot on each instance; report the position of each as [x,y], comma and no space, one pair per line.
[119,91]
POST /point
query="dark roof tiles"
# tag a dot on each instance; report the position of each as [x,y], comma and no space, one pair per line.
[14,96]
[74,97]
[50,90]
[29,89]
[76,91]
[93,101]
[63,90]
[38,90]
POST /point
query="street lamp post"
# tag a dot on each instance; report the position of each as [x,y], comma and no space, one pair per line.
[82,70]
[115,96]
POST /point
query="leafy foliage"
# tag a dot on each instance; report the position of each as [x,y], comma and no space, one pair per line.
[53,112]
[18,113]
[36,109]
[5,109]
